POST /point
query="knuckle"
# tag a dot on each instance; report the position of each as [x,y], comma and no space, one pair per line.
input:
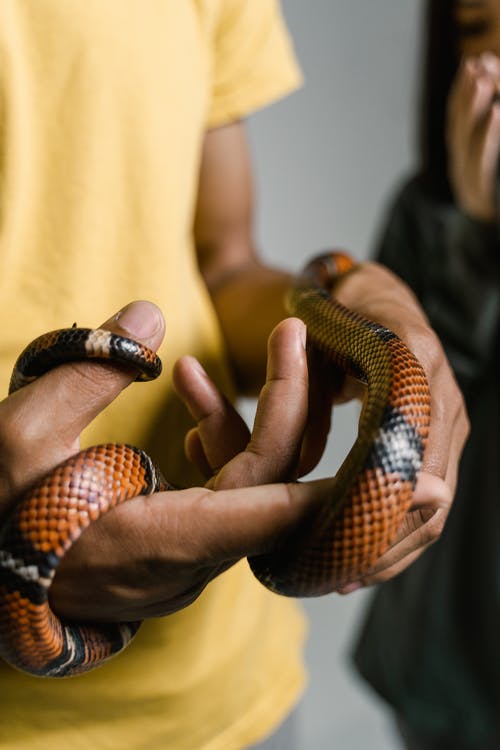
[428,346]
[91,378]
[18,440]
[7,435]
[19,425]
[431,530]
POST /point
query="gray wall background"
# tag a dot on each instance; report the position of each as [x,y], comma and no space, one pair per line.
[326,161]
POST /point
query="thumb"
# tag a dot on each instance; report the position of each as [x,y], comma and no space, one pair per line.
[60,404]
[257,520]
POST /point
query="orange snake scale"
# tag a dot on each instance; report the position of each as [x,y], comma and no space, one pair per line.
[369,497]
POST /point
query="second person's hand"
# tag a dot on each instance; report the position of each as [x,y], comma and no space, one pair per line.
[473,135]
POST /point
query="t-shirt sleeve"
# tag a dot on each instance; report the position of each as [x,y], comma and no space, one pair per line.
[253,61]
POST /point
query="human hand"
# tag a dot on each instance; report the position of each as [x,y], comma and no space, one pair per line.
[473,135]
[241,458]
[154,555]
[376,293]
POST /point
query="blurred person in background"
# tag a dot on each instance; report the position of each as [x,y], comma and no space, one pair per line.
[430,644]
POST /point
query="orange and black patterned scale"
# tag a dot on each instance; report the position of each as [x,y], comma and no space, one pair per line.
[53,514]
[74,344]
[373,488]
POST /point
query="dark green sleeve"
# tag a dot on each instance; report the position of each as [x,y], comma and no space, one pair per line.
[451,263]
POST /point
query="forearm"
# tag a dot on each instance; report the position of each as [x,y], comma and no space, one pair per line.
[251,300]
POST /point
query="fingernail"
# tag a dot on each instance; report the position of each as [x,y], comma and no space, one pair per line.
[140,319]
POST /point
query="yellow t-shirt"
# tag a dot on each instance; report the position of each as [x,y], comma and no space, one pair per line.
[103,109]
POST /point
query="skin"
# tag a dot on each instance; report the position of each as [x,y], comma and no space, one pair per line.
[154,555]
[473,122]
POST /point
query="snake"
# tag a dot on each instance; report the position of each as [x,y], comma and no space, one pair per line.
[362,512]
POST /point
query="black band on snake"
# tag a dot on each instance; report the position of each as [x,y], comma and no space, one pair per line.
[371,494]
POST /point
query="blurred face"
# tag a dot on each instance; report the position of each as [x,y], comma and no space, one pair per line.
[478,26]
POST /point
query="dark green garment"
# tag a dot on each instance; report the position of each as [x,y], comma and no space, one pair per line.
[431,642]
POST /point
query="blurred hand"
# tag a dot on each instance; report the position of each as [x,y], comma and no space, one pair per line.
[473,135]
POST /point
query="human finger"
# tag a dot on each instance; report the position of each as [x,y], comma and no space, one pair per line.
[472,135]
[324,383]
[470,98]
[154,554]
[193,448]
[44,419]
[484,152]
[376,293]
[272,453]
[449,424]
[421,527]
[220,432]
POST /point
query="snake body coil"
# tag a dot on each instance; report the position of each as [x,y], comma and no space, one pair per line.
[369,499]
[374,486]
[52,515]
